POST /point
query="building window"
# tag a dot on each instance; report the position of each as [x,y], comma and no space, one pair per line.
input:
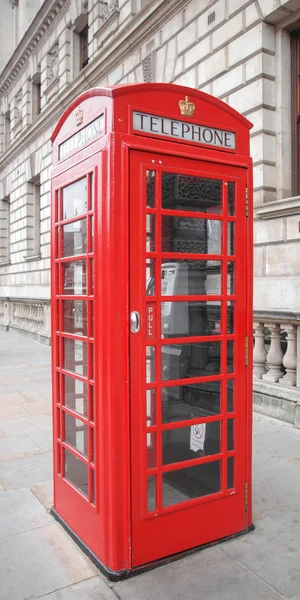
[84,47]
[36,95]
[296,113]
[7,130]
[5,230]
[33,218]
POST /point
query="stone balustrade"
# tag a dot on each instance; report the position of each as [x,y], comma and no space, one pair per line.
[276,364]
[26,316]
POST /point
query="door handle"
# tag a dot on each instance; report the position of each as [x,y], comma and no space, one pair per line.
[135,321]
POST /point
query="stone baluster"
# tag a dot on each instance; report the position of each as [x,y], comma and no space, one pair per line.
[290,357]
[259,352]
[274,356]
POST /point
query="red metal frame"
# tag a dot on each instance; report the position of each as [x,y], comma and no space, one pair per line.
[114,526]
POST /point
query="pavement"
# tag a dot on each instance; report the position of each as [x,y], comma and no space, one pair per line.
[39,560]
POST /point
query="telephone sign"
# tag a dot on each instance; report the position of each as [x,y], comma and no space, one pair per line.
[151,287]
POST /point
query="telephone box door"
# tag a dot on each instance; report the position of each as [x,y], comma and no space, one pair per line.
[188,295]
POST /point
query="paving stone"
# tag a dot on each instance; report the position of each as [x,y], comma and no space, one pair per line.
[207,575]
[275,560]
[43,439]
[25,425]
[13,412]
[44,493]
[20,511]
[17,446]
[40,561]
[22,472]
[38,407]
[9,399]
[91,589]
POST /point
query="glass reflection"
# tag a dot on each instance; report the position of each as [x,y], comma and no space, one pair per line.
[187,443]
[180,319]
[151,505]
[230,317]
[74,198]
[192,482]
[75,356]
[75,277]
[190,277]
[150,277]
[230,278]
[150,188]
[150,364]
[184,402]
[186,192]
[230,395]
[230,239]
[76,395]
[76,434]
[74,238]
[230,472]
[150,233]
[76,472]
[231,198]
[75,317]
[182,361]
[194,236]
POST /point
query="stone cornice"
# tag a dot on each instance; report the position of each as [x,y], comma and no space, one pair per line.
[39,26]
[139,30]
[278,208]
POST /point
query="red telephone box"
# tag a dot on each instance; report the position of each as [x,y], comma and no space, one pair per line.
[151,317]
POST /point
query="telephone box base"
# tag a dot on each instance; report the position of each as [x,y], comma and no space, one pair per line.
[126,573]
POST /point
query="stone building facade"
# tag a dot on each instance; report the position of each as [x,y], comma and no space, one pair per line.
[245,52]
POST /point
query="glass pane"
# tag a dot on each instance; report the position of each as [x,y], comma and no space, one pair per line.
[231,198]
[151,450]
[183,234]
[230,356]
[186,192]
[92,369]
[150,407]
[180,403]
[91,226]
[75,316]
[191,482]
[91,200]
[150,233]
[74,277]
[150,277]
[76,434]
[230,434]
[150,364]
[190,277]
[92,475]
[92,277]
[74,238]
[91,305]
[92,409]
[186,443]
[76,472]
[76,395]
[151,505]
[180,319]
[150,188]
[231,240]
[230,279]
[75,356]
[230,395]
[230,472]
[74,199]
[230,317]
[181,361]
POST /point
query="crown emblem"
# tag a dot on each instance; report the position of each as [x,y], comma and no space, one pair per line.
[79,116]
[187,108]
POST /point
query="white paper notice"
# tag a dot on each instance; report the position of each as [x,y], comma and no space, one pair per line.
[197,437]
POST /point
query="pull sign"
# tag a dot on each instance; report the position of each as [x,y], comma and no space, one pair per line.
[151,320]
